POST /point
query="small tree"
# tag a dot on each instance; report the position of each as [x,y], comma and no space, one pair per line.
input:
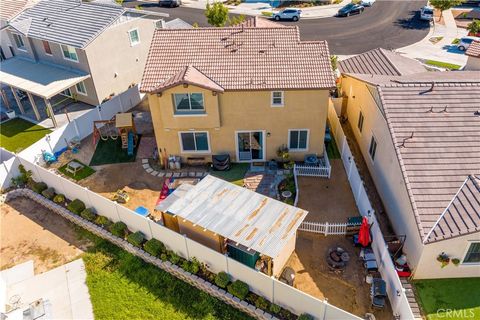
[474,27]
[217,14]
[443,5]
[235,21]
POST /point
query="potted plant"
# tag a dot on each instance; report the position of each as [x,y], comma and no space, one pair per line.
[444,259]
[10,113]
[283,154]
[456,262]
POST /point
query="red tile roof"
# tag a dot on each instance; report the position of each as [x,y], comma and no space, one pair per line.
[11,8]
[190,75]
[473,49]
[240,58]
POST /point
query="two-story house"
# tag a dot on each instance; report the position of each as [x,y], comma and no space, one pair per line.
[419,133]
[245,91]
[85,50]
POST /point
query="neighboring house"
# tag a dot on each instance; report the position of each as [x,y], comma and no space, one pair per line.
[251,228]
[242,91]
[419,134]
[257,22]
[84,50]
[473,53]
[177,24]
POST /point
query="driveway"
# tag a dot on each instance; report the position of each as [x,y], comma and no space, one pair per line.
[388,24]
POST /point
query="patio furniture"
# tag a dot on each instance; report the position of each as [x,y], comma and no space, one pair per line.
[337,258]
[221,162]
[288,276]
[311,160]
[141,210]
[73,167]
[286,194]
[273,165]
[378,293]
[328,136]
[48,157]
[369,261]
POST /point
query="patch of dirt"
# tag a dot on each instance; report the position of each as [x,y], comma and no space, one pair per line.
[31,232]
[347,290]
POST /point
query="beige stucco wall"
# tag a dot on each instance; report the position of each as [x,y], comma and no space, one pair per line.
[472,63]
[430,268]
[114,63]
[241,110]
[385,169]
[281,259]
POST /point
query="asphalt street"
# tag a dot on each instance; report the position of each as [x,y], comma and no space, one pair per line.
[387,24]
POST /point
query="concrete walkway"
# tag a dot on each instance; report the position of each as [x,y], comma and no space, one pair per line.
[443,50]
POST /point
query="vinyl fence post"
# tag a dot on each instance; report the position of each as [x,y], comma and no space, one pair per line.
[77,131]
[88,197]
[326,229]
[186,246]
[116,209]
[99,113]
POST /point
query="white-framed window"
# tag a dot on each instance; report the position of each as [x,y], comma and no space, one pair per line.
[373,148]
[81,89]
[277,99]
[134,37]
[473,254]
[46,47]
[298,139]
[19,42]
[188,103]
[69,53]
[360,121]
[194,141]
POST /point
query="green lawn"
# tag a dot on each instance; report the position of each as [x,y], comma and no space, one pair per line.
[82,174]
[462,296]
[18,134]
[442,64]
[235,175]
[122,286]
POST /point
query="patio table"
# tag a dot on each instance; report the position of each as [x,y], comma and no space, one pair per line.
[73,167]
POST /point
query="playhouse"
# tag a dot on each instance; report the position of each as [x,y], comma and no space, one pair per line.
[121,125]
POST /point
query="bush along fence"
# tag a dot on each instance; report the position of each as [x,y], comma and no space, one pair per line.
[236,293]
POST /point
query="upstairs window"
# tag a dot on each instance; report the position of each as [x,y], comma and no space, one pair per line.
[298,140]
[360,121]
[69,53]
[81,88]
[277,98]
[134,37]
[473,253]
[188,103]
[19,41]
[46,47]
[373,148]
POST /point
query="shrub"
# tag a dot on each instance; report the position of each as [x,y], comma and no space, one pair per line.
[59,198]
[191,266]
[88,214]
[48,193]
[222,279]
[136,238]
[164,257]
[119,229]
[154,247]
[76,206]
[275,308]
[261,303]
[239,289]
[103,221]
[305,316]
[173,257]
[38,187]
[267,13]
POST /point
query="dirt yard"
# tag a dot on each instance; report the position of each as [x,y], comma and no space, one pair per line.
[327,200]
[31,232]
[347,290]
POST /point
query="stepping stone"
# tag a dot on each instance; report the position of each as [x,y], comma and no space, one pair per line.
[176,175]
[168,174]
[146,166]
[191,174]
[149,170]
[154,173]
[183,174]
[205,174]
[144,160]
[161,174]
[199,174]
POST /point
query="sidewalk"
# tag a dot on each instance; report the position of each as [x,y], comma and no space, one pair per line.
[443,50]
[256,9]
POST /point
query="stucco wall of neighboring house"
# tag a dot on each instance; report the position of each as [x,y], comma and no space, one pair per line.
[5,42]
[473,63]
[282,258]
[385,169]
[430,268]
[241,110]
[114,63]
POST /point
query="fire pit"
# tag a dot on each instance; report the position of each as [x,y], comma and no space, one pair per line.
[337,258]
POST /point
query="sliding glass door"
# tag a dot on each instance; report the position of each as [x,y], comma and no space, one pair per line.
[250,146]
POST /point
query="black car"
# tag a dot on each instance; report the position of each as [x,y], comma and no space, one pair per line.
[170,3]
[350,9]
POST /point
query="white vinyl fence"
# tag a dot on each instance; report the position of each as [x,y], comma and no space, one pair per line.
[8,168]
[395,290]
[324,228]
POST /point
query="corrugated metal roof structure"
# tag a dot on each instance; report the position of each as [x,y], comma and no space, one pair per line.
[70,22]
[243,216]
[380,62]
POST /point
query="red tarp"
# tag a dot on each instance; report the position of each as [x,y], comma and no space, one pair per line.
[364,233]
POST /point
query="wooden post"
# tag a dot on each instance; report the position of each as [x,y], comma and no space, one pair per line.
[5,99]
[269,268]
[50,111]
[34,106]
[17,99]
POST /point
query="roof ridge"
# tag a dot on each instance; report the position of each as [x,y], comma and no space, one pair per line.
[382,51]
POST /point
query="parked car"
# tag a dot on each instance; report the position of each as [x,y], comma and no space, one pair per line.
[367,3]
[426,13]
[288,14]
[350,9]
[465,42]
[170,3]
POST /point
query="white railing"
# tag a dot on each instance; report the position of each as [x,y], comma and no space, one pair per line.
[324,228]
[322,170]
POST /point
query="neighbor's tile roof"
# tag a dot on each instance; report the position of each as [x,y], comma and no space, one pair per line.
[435,128]
[177,24]
[380,62]
[259,23]
[474,49]
[70,22]
[240,58]
[11,8]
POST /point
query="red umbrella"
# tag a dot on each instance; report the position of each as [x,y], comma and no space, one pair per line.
[364,233]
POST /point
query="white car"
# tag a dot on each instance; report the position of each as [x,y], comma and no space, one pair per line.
[426,13]
[367,3]
[465,42]
[288,14]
